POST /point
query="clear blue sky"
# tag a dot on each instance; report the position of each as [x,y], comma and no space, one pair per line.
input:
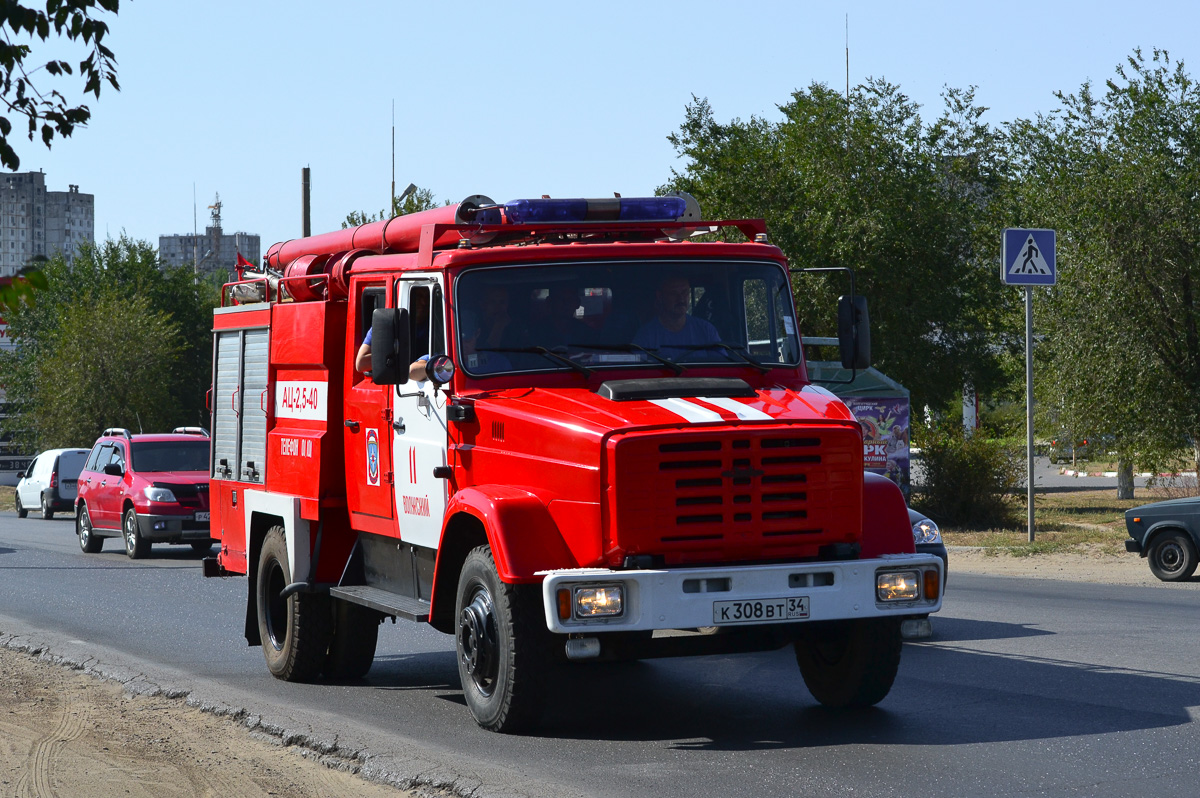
[518,99]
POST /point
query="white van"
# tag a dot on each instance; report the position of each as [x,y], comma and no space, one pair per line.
[51,482]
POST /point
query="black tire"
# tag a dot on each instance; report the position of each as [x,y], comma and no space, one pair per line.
[47,513]
[502,645]
[1172,556]
[296,630]
[136,547]
[850,663]
[355,634]
[89,541]
[21,511]
[201,548]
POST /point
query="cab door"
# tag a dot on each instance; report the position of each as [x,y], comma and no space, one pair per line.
[420,435]
[368,419]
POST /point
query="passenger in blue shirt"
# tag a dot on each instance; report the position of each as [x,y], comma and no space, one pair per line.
[673,331]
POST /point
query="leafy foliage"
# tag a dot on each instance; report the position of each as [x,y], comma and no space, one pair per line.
[111,296]
[47,111]
[419,200]
[1118,176]
[968,480]
[866,184]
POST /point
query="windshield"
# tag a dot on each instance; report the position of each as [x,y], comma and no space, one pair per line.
[674,314]
[150,456]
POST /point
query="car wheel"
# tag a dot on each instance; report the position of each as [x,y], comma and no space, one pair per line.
[501,642]
[1172,556]
[295,630]
[89,541]
[850,663]
[21,511]
[136,546]
[47,513]
[355,635]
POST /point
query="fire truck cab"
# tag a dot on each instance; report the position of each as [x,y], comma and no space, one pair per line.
[582,435]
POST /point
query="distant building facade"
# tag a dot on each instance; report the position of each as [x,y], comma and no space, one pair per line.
[212,250]
[35,222]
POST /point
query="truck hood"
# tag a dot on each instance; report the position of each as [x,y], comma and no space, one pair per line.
[588,413]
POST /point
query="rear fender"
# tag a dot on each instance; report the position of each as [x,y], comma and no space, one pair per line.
[885,518]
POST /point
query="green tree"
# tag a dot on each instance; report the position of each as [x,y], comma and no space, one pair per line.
[105,367]
[419,200]
[47,110]
[123,272]
[1118,176]
[866,184]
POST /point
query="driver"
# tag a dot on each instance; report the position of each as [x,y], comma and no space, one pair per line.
[673,332]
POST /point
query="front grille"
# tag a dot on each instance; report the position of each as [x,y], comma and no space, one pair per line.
[743,494]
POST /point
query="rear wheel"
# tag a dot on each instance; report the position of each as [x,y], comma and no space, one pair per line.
[1172,556]
[136,546]
[89,541]
[850,663]
[502,645]
[21,511]
[47,513]
[355,634]
[295,630]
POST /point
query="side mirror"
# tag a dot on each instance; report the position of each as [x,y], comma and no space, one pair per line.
[854,332]
[440,370]
[114,470]
[389,346]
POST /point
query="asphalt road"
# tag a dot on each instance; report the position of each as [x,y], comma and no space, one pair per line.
[1029,687]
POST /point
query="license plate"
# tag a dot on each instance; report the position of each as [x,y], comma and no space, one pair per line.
[766,610]
[201,516]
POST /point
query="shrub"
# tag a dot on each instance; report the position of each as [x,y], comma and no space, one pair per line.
[967,480]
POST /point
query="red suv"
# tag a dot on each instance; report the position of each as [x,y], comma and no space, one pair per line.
[145,488]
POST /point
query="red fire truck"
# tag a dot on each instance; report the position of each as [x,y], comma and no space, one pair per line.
[582,434]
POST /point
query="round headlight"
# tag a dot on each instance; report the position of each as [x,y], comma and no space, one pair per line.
[926,531]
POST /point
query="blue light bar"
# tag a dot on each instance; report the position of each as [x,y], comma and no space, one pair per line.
[566,211]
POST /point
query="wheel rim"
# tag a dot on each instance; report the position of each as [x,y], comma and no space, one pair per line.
[477,641]
[85,528]
[19,508]
[276,605]
[1170,557]
[130,533]
[45,506]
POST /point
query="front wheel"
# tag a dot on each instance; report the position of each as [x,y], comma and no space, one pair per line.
[21,511]
[89,541]
[850,663]
[502,645]
[296,630]
[136,546]
[1172,556]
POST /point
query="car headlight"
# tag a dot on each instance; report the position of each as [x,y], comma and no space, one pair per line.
[591,601]
[158,495]
[898,586]
[926,531]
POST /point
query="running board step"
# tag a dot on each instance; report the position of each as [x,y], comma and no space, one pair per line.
[386,602]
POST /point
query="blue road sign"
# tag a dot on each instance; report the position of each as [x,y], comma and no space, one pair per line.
[1028,257]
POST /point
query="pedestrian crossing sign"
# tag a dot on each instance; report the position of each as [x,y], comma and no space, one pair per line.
[1027,257]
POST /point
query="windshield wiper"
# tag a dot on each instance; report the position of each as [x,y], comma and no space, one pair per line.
[544,352]
[671,364]
[737,350]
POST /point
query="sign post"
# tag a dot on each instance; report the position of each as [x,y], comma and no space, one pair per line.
[1027,259]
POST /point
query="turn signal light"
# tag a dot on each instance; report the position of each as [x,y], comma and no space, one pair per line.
[564,604]
[933,585]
